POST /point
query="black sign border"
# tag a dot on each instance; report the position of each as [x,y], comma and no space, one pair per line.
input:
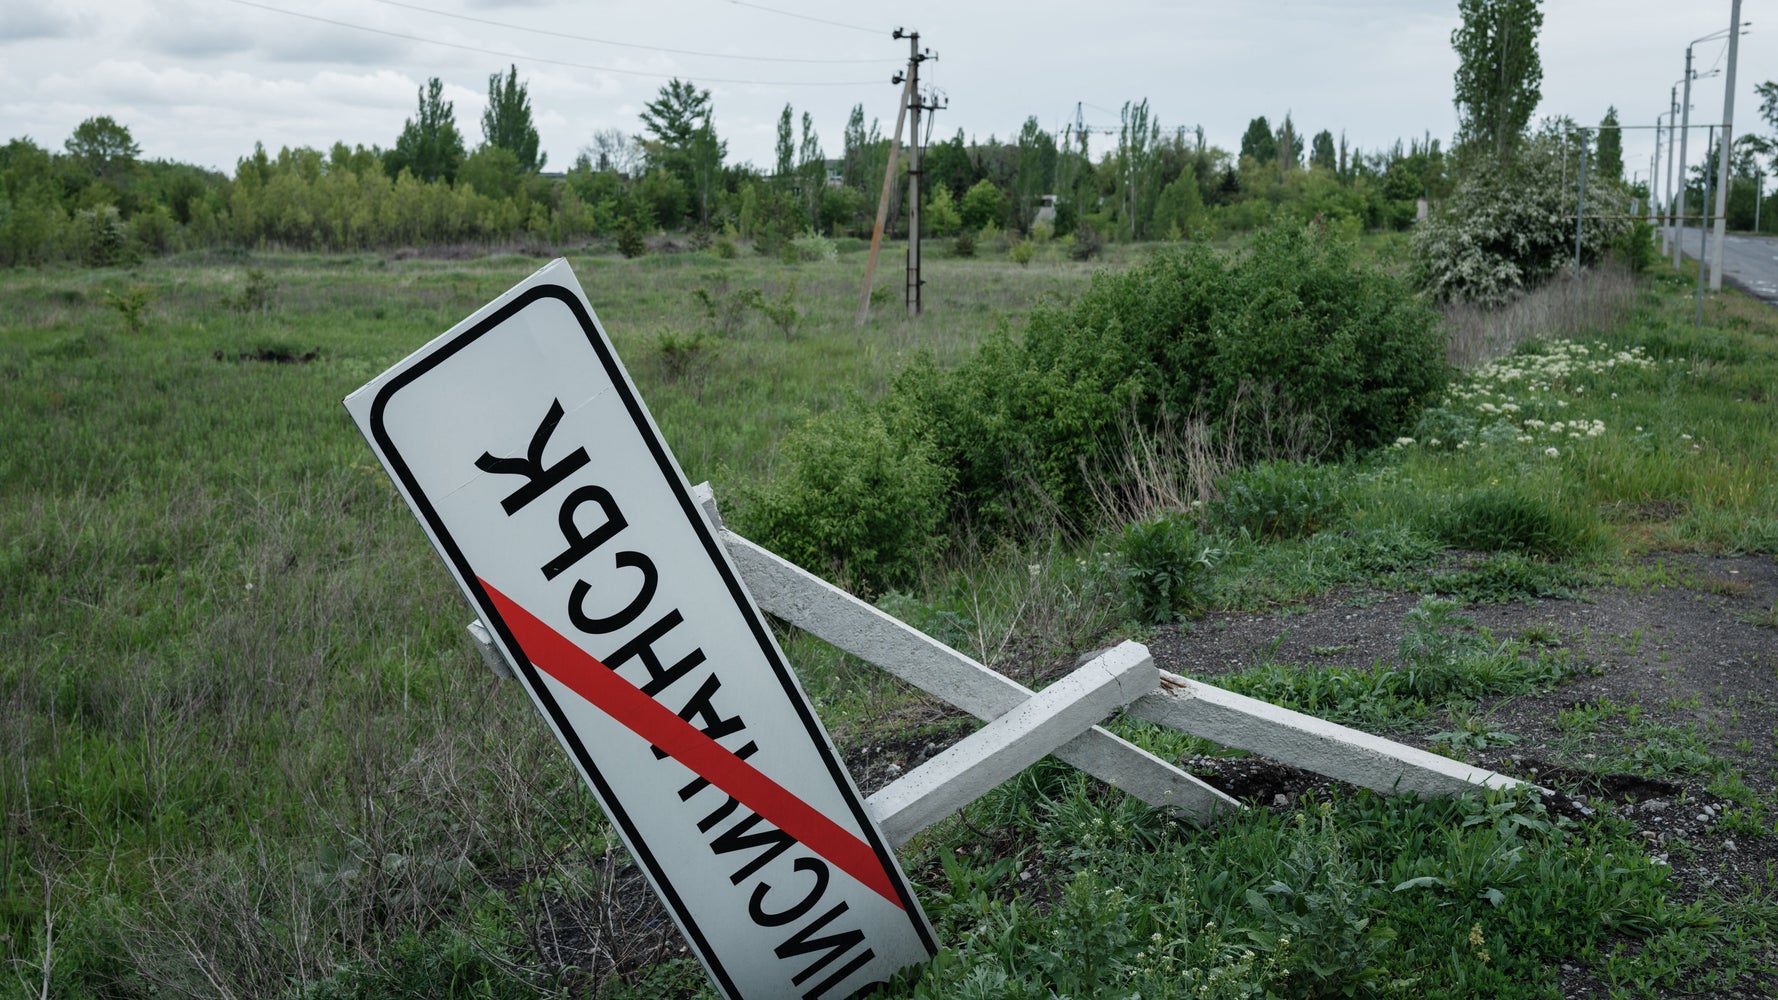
[675,480]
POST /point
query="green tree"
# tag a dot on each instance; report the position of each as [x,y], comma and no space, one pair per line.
[672,118]
[430,147]
[983,204]
[682,141]
[811,171]
[1321,151]
[946,164]
[1290,151]
[1180,208]
[103,147]
[1608,153]
[492,170]
[852,150]
[1768,109]
[1036,171]
[785,148]
[1499,75]
[1258,142]
[1139,182]
[506,123]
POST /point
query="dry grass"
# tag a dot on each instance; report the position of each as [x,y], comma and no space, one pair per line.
[1601,299]
[1173,469]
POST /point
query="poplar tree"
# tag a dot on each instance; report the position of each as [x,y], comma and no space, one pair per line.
[430,145]
[1608,152]
[506,123]
[1499,75]
[785,148]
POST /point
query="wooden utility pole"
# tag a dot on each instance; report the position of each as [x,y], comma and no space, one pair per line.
[910,102]
[915,107]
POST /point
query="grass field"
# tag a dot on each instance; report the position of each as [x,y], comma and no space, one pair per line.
[246,748]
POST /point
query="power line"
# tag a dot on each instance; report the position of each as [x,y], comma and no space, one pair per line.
[627,45]
[519,57]
[806,17]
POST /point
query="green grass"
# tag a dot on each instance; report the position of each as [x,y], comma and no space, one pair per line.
[243,734]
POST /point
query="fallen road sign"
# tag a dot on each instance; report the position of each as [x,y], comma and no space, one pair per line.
[524,449]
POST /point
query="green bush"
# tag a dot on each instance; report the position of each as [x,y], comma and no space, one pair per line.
[1273,500]
[1296,325]
[964,244]
[852,501]
[1163,563]
[1635,247]
[1509,225]
[629,239]
[1087,243]
[814,248]
[983,205]
[1504,519]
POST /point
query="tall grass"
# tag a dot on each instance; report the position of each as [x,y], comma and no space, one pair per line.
[245,743]
[246,748]
[1600,300]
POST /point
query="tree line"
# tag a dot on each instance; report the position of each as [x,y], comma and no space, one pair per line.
[96,201]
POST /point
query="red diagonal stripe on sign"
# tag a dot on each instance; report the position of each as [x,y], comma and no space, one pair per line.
[582,673]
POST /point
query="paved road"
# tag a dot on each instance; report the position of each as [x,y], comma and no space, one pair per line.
[1748,261]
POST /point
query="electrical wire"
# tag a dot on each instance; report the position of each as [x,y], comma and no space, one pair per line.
[627,45]
[806,17]
[519,57]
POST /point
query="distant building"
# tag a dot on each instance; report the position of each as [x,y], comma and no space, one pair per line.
[1046,212]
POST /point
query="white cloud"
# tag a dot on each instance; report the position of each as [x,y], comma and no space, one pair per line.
[201,79]
[24,20]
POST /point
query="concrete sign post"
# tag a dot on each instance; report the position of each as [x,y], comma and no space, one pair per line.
[523,447]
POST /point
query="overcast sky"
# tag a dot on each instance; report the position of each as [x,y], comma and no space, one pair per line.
[201,80]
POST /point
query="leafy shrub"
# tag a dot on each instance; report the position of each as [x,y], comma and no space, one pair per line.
[1187,333]
[1163,563]
[1021,252]
[132,304]
[1509,226]
[813,248]
[102,238]
[983,205]
[940,217]
[781,311]
[1636,246]
[964,244]
[1087,243]
[683,354]
[725,309]
[629,239]
[1275,500]
[852,501]
[256,295]
[1504,519]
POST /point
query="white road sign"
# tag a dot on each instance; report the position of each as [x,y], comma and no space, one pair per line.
[524,449]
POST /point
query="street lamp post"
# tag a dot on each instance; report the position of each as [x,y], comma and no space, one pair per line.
[1685,124]
[1667,205]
